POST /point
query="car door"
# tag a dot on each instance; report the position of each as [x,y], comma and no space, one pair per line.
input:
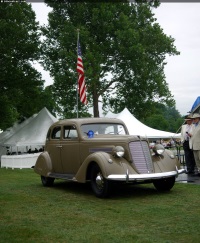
[70,155]
[53,147]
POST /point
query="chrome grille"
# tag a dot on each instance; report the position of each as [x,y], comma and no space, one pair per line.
[141,156]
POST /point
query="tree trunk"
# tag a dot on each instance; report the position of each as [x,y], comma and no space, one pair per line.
[95,104]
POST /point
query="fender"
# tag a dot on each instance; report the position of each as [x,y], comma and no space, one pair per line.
[107,163]
[43,165]
[165,162]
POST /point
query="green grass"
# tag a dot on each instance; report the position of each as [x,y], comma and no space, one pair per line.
[69,212]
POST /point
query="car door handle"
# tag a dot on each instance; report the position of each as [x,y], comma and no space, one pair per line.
[58,146]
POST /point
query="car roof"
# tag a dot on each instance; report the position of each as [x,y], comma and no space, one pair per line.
[80,121]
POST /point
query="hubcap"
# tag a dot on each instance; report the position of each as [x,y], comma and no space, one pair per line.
[99,181]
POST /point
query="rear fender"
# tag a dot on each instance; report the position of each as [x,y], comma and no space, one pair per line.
[43,165]
[107,163]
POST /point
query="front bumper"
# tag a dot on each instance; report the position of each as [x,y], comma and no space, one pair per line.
[142,177]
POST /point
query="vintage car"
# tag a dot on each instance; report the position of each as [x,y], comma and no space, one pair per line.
[101,151]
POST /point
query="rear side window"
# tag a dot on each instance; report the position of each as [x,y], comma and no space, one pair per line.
[56,133]
[70,132]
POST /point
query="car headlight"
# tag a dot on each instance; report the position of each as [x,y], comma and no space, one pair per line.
[158,149]
[118,151]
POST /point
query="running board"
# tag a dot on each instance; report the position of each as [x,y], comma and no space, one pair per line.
[69,177]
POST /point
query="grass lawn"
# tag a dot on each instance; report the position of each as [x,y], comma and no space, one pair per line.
[69,212]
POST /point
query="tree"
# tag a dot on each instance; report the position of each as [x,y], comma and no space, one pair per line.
[158,122]
[164,118]
[123,52]
[46,100]
[21,85]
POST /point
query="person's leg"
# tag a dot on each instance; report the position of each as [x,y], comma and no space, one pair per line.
[192,163]
[197,159]
[188,161]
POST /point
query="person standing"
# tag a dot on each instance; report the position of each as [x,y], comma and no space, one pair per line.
[195,140]
[189,155]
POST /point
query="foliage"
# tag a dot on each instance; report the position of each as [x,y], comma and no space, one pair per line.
[123,52]
[68,211]
[20,84]
[164,118]
[46,100]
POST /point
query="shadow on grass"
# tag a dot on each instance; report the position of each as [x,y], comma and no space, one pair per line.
[118,190]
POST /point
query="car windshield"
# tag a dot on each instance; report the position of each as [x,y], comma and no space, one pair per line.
[103,128]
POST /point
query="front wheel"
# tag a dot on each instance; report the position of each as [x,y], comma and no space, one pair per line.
[100,186]
[165,184]
[47,181]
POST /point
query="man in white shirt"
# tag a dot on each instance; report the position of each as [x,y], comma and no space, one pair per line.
[195,139]
[189,156]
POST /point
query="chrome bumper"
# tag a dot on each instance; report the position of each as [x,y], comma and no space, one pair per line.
[141,177]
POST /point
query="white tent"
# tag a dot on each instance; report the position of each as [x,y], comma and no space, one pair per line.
[11,130]
[33,132]
[30,133]
[4,136]
[136,127]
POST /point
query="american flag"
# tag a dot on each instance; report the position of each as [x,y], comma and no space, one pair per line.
[81,78]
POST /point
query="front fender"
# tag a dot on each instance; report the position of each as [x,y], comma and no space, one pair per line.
[107,163]
[43,165]
[165,163]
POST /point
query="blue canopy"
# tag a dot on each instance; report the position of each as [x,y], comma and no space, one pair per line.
[196,104]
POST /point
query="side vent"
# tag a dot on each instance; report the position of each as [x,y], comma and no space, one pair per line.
[141,156]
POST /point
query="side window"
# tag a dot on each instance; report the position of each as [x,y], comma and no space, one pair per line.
[56,133]
[70,132]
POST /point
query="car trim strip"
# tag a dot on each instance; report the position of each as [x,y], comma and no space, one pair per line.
[93,150]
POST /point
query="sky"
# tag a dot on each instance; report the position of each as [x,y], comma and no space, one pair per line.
[181,22]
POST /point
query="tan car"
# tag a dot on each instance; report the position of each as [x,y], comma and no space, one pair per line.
[100,150]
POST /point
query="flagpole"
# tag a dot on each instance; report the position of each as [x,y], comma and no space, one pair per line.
[77,78]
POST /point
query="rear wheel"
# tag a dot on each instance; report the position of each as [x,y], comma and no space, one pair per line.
[164,184]
[47,181]
[100,186]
